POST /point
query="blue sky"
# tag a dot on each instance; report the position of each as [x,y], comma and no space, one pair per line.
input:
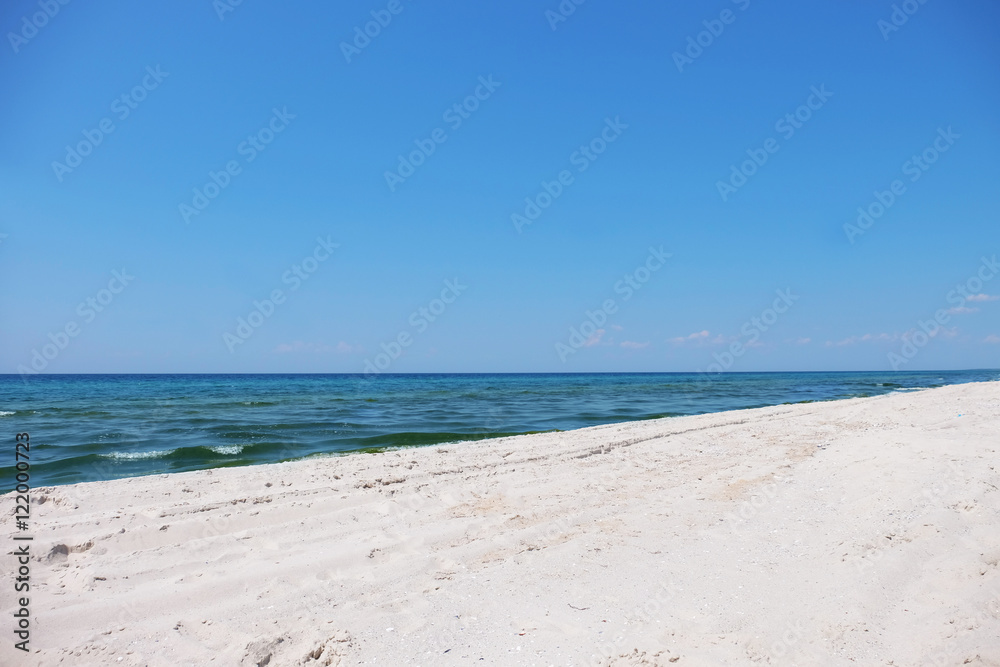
[641,137]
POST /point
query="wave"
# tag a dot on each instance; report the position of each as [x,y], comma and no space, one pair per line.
[6,413]
[179,454]
[138,456]
[228,450]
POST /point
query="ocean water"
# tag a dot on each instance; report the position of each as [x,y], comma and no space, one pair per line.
[97,427]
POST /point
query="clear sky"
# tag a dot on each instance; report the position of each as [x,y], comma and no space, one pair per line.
[246,141]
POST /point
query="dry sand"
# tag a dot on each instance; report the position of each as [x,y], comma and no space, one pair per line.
[856,532]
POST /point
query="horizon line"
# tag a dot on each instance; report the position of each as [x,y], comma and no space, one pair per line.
[383,374]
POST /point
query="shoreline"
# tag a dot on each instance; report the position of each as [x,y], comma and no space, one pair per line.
[114,427]
[848,531]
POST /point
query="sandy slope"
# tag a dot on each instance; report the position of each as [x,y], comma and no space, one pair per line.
[860,532]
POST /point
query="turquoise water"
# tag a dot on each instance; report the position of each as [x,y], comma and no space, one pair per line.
[96,427]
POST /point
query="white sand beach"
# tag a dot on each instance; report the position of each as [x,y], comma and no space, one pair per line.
[855,532]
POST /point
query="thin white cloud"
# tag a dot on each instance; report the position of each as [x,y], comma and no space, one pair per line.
[993,339]
[595,338]
[633,345]
[983,297]
[867,338]
[961,310]
[696,337]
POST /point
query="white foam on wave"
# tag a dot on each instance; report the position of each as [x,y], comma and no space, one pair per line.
[6,413]
[138,456]
[230,450]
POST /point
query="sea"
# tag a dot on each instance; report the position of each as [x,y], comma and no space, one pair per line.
[97,427]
